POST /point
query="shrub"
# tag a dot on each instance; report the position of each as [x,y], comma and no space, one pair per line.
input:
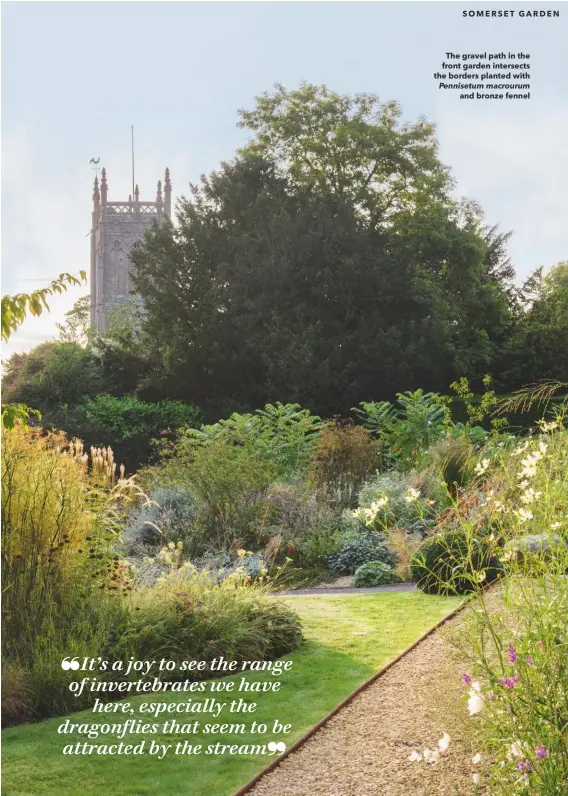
[451,460]
[229,487]
[65,586]
[375,573]
[52,374]
[543,546]
[170,516]
[189,614]
[293,511]
[299,526]
[318,545]
[126,424]
[54,529]
[282,434]
[514,638]
[356,552]
[408,427]
[453,563]
[224,565]
[17,693]
[399,510]
[59,522]
[404,545]
[343,456]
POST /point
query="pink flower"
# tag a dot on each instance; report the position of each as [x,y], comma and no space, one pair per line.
[509,682]
[540,644]
[529,659]
[512,653]
[524,765]
[541,752]
[467,678]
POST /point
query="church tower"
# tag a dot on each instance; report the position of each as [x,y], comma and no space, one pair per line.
[117,228]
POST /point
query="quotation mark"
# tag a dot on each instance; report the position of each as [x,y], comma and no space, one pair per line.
[277,747]
[74,664]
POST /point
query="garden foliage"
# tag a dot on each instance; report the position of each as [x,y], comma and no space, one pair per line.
[407,427]
[353,553]
[375,573]
[515,638]
[67,590]
[344,456]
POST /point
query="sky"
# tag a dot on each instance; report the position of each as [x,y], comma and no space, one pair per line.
[77,75]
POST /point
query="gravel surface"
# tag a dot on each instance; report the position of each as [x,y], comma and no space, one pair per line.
[341,590]
[342,582]
[364,749]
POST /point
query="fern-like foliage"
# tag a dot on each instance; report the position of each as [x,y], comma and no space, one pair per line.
[539,394]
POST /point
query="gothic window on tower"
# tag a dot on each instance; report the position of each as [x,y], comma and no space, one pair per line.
[117,270]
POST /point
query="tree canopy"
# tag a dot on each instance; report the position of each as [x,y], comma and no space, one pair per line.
[267,289]
[537,347]
[353,146]
[327,263]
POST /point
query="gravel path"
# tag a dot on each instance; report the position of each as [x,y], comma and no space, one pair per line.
[347,590]
[364,749]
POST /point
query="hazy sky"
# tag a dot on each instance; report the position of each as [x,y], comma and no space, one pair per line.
[76,76]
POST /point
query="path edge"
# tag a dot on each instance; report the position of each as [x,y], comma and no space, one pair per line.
[313,730]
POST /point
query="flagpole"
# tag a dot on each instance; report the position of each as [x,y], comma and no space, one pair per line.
[132,162]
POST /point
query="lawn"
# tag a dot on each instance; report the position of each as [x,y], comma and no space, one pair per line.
[349,638]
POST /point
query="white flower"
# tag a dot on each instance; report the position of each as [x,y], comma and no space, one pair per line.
[555,525]
[529,463]
[370,515]
[412,494]
[379,504]
[543,447]
[476,759]
[476,779]
[529,496]
[521,448]
[431,756]
[444,742]
[482,466]
[475,701]
[415,756]
[529,467]
[545,426]
[515,750]
[524,514]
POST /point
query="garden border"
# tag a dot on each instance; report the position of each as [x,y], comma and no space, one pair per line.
[311,732]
